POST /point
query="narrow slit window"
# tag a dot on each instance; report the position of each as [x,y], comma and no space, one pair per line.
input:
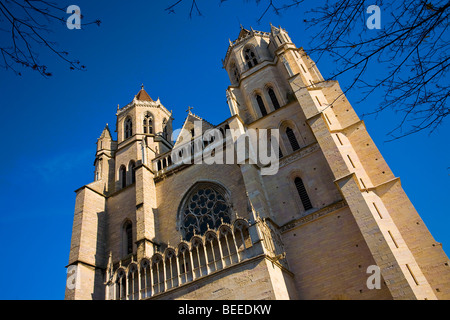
[393,240]
[273,98]
[350,159]
[318,101]
[303,68]
[412,274]
[261,105]
[133,172]
[303,194]
[376,209]
[129,238]
[123,176]
[340,141]
[292,139]
[362,182]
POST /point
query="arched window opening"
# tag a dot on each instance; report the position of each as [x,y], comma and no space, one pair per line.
[185,264]
[228,246]
[213,252]
[148,124]
[205,207]
[159,164]
[303,194]
[242,236]
[250,58]
[128,238]
[98,170]
[171,270]
[158,275]
[164,123]
[128,128]
[273,98]
[121,285]
[292,139]
[235,72]
[261,105]
[198,258]
[133,283]
[123,176]
[132,169]
[146,287]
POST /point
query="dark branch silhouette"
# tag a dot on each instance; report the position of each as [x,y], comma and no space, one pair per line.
[412,48]
[24,25]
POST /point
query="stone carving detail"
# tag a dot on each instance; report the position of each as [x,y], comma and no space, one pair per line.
[299,154]
[173,267]
[272,240]
[205,208]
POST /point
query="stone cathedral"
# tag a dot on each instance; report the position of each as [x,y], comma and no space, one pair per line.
[332,223]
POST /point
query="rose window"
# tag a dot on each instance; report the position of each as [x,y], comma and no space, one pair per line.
[205,207]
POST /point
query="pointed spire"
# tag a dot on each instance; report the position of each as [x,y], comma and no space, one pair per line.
[106,133]
[143,95]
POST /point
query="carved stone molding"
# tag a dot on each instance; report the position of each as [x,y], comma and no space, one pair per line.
[313,216]
[299,154]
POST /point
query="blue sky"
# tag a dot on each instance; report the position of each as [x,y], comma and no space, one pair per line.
[51,125]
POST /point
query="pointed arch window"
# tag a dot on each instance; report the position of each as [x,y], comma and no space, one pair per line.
[235,73]
[292,139]
[262,107]
[132,169]
[98,169]
[164,128]
[273,98]
[128,128]
[148,124]
[302,193]
[250,58]
[128,238]
[123,176]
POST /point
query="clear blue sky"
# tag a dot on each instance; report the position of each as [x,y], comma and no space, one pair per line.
[50,126]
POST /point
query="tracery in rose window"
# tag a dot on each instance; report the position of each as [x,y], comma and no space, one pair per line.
[205,206]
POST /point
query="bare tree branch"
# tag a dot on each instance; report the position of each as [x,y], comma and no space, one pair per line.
[27,23]
[412,50]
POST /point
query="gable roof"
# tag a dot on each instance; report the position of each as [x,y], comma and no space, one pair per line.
[189,125]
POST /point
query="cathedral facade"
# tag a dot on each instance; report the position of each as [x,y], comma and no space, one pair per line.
[331,222]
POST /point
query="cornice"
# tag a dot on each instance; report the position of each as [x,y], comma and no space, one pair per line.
[313,216]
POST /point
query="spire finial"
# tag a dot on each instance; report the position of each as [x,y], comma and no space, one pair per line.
[142,86]
[189,109]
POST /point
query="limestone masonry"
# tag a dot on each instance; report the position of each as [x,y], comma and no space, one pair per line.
[151,228]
